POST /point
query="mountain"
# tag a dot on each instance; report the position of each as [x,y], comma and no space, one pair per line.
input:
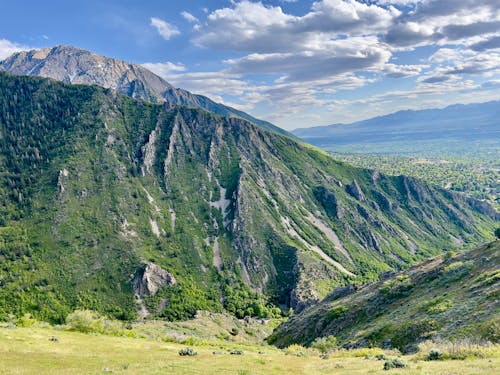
[446,297]
[73,65]
[119,205]
[456,124]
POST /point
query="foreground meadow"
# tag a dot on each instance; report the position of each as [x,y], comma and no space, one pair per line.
[47,350]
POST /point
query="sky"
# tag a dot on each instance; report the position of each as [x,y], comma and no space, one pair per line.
[296,63]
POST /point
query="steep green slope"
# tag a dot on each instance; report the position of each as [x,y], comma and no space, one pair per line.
[116,205]
[447,297]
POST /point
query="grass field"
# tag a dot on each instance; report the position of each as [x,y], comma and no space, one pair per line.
[31,351]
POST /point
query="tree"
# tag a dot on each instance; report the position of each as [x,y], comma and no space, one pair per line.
[497,232]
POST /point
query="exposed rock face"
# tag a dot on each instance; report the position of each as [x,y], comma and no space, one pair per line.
[328,201]
[355,190]
[152,278]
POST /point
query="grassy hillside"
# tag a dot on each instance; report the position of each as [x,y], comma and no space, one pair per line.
[55,351]
[126,207]
[449,297]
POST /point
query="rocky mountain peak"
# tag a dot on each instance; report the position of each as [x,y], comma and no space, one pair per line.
[78,66]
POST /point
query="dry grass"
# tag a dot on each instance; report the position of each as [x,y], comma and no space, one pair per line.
[31,351]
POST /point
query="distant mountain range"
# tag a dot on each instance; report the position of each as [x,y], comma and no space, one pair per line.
[130,207]
[459,123]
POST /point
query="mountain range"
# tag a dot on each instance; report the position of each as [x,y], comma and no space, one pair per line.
[74,65]
[462,123]
[159,207]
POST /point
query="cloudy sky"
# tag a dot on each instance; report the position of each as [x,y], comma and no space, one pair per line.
[297,63]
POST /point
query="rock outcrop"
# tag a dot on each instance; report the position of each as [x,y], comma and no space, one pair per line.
[148,280]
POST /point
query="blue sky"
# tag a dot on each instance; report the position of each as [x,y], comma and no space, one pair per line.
[294,63]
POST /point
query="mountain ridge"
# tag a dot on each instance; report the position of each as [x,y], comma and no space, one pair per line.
[100,190]
[74,65]
[458,122]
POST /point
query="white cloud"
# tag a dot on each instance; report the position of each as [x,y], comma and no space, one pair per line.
[445,22]
[164,69]
[189,17]
[304,61]
[400,71]
[166,30]
[7,48]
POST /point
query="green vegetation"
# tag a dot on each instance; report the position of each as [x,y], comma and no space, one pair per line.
[449,298]
[96,187]
[476,174]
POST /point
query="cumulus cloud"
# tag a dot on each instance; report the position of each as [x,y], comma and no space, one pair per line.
[340,45]
[253,26]
[166,30]
[445,21]
[7,48]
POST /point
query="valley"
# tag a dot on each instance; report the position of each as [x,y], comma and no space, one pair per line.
[140,223]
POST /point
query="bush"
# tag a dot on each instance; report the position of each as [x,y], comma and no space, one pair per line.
[296,350]
[410,333]
[394,363]
[434,355]
[25,321]
[187,352]
[85,321]
[490,330]
[456,350]
[325,344]
[335,313]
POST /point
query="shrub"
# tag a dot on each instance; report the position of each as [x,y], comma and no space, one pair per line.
[434,355]
[85,321]
[394,363]
[412,332]
[335,313]
[325,344]
[236,352]
[456,271]
[380,357]
[490,330]
[25,321]
[449,254]
[296,350]
[187,352]
[396,288]
[438,306]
